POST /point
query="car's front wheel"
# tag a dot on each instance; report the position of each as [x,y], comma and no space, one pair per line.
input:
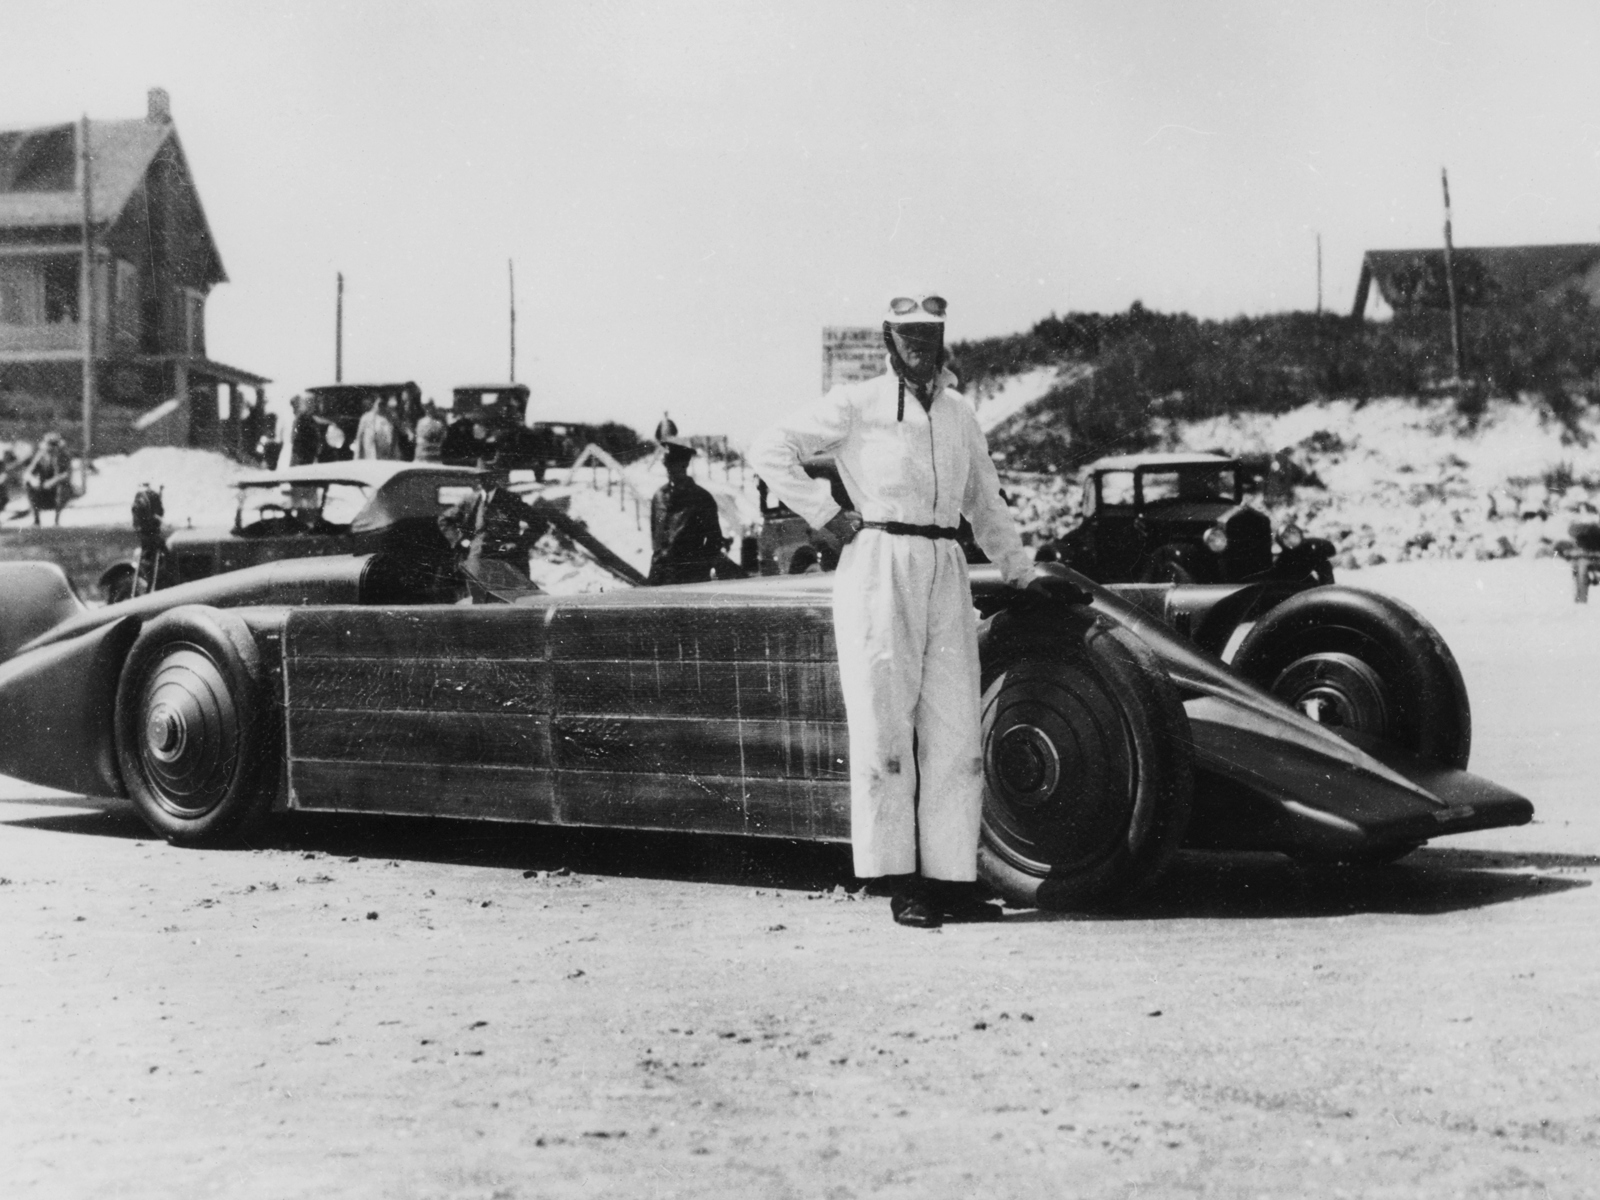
[1088,771]
[193,728]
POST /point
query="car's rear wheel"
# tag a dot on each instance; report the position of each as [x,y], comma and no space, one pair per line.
[193,728]
[1358,661]
[1088,770]
[1365,664]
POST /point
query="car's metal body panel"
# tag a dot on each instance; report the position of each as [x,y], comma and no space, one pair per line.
[707,708]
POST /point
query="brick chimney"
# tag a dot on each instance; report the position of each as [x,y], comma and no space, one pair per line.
[160,111]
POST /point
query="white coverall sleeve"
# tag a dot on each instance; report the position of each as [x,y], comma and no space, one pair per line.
[777,452]
[992,524]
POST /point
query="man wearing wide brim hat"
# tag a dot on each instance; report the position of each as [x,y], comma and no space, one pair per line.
[48,478]
[914,461]
[685,532]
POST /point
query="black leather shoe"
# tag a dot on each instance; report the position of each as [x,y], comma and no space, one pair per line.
[915,912]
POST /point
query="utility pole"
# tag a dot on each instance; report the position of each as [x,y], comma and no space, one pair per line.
[86,292]
[1450,279]
[511,274]
[1319,274]
[338,332]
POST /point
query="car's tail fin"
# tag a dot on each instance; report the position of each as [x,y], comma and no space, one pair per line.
[35,597]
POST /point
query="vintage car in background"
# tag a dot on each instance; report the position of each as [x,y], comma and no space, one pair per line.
[1182,518]
[785,544]
[508,435]
[1340,731]
[337,409]
[359,506]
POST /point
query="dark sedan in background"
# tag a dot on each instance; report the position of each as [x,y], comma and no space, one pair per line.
[1182,518]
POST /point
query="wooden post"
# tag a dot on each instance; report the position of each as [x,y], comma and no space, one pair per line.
[180,388]
[338,331]
[1450,280]
[511,277]
[1319,274]
[86,294]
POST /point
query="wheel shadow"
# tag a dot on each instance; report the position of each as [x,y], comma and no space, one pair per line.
[1197,886]
[1427,882]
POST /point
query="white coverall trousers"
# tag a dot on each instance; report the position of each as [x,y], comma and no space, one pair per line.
[908,667]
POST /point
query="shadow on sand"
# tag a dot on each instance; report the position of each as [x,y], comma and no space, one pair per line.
[1196,886]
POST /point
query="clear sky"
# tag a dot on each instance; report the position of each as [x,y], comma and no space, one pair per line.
[690,191]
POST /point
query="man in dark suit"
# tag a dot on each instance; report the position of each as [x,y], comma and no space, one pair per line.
[685,533]
[494,523]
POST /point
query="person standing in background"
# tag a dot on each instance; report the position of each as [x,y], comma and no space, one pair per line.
[49,477]
[685,532]
[430,435]
[375,433]
[305,438]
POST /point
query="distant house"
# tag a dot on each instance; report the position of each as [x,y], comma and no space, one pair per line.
[154,262]
[1486,276]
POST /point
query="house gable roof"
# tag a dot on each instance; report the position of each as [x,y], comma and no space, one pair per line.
[1485,275]
[39,177]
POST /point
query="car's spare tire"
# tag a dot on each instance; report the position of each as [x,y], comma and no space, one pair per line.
[1088,770]
[193,728]
[1354,660]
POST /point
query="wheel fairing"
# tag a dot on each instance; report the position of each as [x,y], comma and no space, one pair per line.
[192,727]
[1059,768]
[1088,771]
[189,739]
[1428,712]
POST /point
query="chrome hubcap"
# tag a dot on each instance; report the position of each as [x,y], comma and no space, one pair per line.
[165,733]
[1028,764]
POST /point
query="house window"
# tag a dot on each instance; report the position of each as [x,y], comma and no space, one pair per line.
[60,290]
[38,291]
[194,322]
[126,301]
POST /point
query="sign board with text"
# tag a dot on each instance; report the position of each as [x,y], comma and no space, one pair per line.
[851,353]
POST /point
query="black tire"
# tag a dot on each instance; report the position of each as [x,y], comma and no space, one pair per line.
[193,728]
[803,560]
[1355,660]
[1088,770]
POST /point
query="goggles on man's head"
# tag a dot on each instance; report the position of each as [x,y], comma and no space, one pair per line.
[917,308]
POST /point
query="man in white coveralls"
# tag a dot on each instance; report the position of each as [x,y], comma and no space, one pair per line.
[914,461]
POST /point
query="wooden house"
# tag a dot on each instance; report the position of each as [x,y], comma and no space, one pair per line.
[142,330]
[1404,281]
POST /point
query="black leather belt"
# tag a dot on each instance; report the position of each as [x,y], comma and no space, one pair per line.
[901,527]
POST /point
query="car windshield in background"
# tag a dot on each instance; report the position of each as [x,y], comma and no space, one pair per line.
[336,503]
[1190,485]
[1116,488]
